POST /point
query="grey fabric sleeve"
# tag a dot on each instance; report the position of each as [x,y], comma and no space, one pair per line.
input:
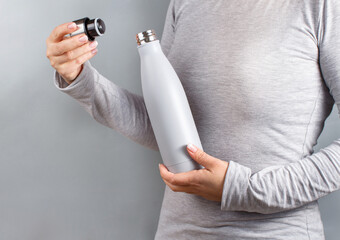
[281,188]
[113,106]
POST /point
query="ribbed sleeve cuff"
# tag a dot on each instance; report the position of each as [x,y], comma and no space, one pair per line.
[235,186]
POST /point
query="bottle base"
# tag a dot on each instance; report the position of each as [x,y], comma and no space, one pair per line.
[184,167]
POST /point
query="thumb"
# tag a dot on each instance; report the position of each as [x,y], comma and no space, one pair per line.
[201,157]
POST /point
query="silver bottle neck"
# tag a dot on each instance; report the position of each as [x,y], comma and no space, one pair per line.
[145,37]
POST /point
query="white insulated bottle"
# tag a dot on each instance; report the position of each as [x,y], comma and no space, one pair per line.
[167,105]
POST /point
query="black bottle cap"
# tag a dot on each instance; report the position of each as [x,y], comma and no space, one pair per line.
[95,27]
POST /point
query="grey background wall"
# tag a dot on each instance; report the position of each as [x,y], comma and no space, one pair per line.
[62,175]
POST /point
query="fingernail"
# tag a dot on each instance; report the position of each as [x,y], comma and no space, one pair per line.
[83,38]
[71,26]
[192,147]
[94,44]
[94,51]
[159,165]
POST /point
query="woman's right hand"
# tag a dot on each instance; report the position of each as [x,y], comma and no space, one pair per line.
[67,55]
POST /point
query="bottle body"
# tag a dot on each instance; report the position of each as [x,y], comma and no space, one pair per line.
[168,109]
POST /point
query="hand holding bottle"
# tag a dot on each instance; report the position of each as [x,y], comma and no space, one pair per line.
[67,55]
[207,182]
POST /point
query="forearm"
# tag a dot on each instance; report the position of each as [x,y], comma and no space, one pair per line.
[281,188]
[110,105]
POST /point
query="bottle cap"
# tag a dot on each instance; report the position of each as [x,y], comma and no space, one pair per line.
[96,27]
[145,37]
[91,27]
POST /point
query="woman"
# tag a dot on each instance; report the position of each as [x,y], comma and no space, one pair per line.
[261,77]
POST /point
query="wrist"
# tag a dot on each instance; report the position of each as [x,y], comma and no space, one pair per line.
[69,81]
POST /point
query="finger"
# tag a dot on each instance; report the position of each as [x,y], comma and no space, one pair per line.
[75,53]
[60,31]
[201,157]
[69,67]
[176,188]
[70,44]
[181,179]
[83,58]
[165,173]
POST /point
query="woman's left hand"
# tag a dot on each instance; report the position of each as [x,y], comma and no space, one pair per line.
[207,182]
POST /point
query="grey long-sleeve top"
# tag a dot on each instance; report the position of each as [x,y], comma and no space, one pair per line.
[261,77]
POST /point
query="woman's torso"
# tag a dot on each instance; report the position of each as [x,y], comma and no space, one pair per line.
[251,74]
